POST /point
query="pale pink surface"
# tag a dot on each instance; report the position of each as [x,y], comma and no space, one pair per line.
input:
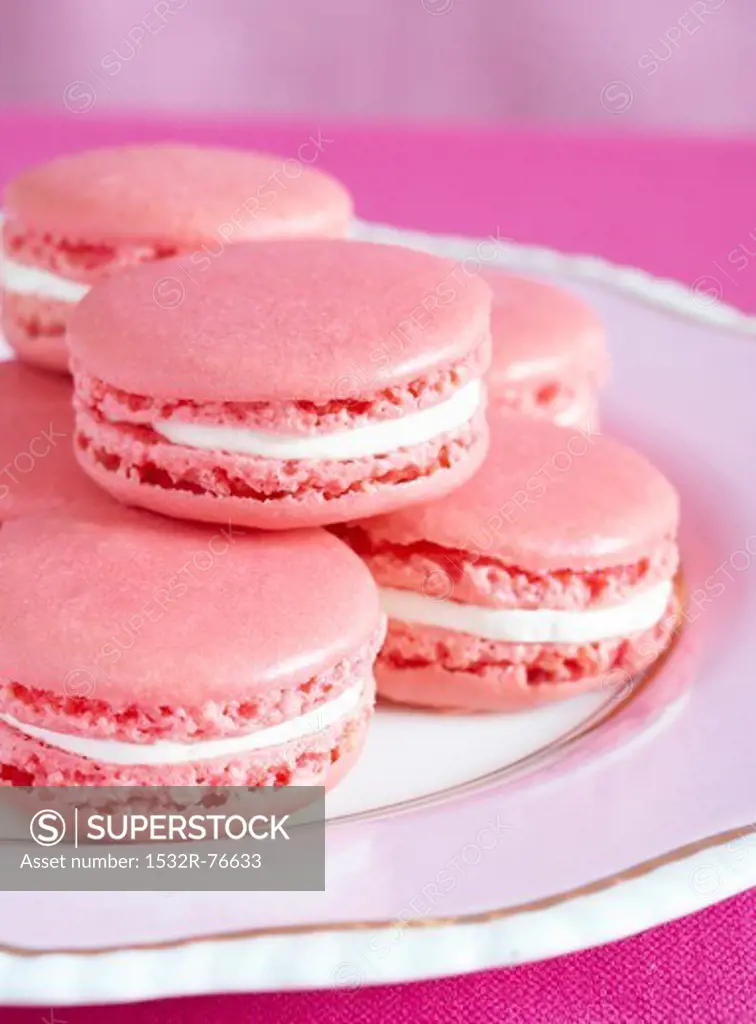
[125,603]
[309,761]
[440,668]
[38,471]
[178,193]
[310,319]
[680,68]
[548,498]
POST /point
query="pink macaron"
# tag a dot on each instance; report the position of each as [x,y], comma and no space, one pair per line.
[550,573]
[146,652]
[293,383]
[79,218]
[38,469]
[549,351]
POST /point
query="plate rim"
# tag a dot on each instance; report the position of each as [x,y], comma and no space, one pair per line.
[515,935]
[690,302]
[679,855]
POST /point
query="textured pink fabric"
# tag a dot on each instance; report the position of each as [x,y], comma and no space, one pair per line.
[701,971]
[607,196]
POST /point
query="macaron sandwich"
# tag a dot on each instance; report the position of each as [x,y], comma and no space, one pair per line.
[551,573]
[178,655]
[291,384]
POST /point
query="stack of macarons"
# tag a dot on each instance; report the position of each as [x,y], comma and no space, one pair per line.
[244,375]
[293,385]
[76,220]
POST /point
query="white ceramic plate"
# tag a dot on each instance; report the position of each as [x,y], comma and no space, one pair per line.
[461,843]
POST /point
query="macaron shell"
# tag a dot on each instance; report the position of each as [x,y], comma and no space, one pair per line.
[460,691]
[541,331]
[450,670]
[568,402]
[180,193]
[35,328]
[308,320]
[547,498]
[321,759]
[144,610]
[38,470]
[310,508]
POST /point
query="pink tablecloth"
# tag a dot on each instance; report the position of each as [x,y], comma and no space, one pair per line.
[698,971]
[679,209]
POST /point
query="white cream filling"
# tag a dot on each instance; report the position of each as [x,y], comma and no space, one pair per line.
[531,625]
[374,439]
[24,280]
[167,752]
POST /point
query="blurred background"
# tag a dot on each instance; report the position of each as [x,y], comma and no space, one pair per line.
[624,64]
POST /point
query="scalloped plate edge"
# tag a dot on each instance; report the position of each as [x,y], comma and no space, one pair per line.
[354,956]
[699,302]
